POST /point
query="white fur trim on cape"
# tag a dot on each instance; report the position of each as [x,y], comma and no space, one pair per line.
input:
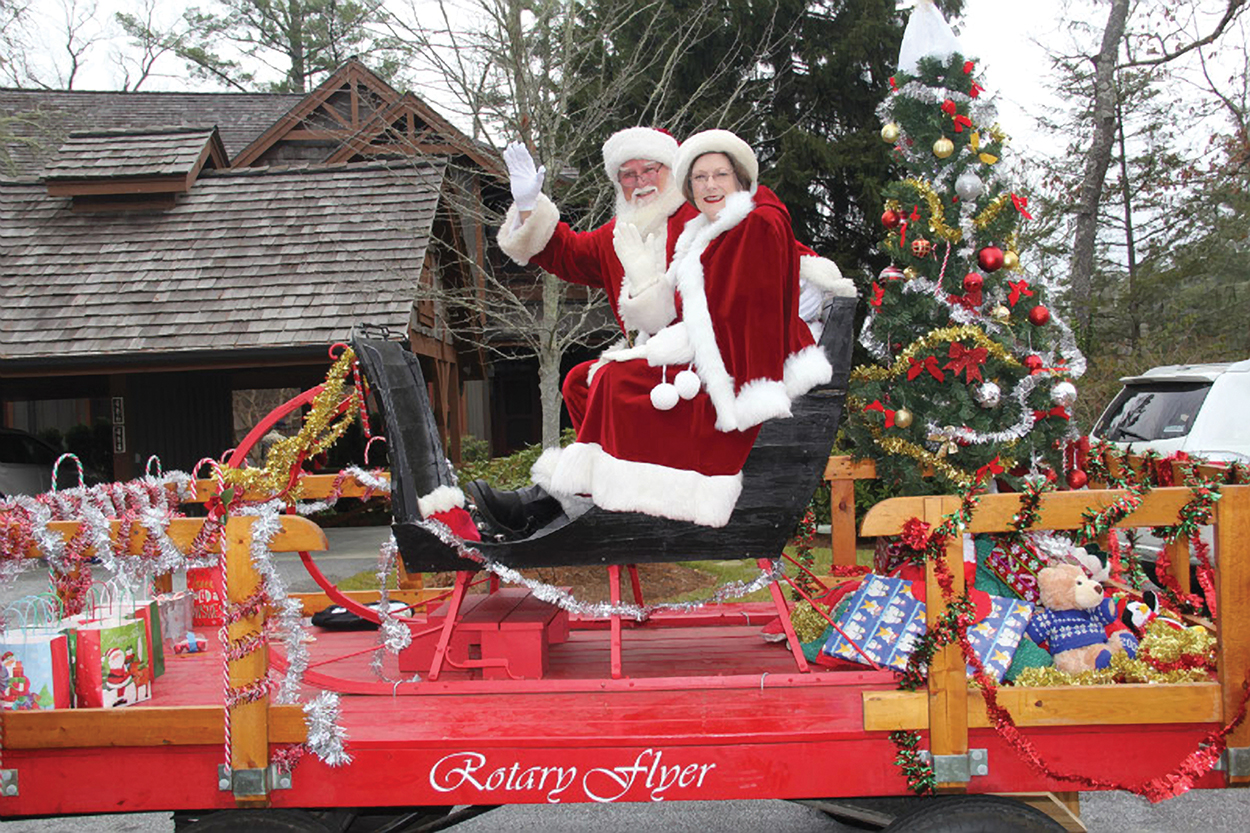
[521,241]
[717,141]
[628,486]
[440,500]
[637,143]
[806,369]
[824,274]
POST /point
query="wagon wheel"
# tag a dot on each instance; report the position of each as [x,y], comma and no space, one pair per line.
[974,814]
[259,821]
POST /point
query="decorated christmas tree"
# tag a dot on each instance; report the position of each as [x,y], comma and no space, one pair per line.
[972,372]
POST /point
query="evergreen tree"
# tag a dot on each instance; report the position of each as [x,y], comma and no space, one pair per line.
[970,369]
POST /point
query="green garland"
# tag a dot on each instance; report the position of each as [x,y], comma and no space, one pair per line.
[919,772]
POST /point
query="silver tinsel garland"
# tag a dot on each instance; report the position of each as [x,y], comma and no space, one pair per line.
[393,635]
[599,610]
[326,737]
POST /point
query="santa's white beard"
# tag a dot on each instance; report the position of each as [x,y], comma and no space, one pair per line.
[652,216]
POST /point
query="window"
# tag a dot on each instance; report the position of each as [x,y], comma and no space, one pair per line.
[1158,411]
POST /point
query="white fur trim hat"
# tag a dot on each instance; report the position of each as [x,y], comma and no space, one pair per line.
[638,143]
[717,141]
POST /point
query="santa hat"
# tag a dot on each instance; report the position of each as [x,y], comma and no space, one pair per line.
[638,143]
[717,141]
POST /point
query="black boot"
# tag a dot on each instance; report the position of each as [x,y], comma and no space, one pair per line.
[511,515]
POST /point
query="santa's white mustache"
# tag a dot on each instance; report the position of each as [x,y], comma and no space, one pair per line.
[644,191]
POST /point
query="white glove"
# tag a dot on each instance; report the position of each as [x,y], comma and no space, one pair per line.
[526,182]
[643,261]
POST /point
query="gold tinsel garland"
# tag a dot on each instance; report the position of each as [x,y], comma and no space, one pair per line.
[1162,643]
[317,434]
[874,373]
[937,215]
[991,211]
[898,445]
[808,624]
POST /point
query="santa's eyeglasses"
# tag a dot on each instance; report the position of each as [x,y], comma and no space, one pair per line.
[631,177]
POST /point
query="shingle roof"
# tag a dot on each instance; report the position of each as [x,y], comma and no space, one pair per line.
[254,258]
[41,119]
[129,153]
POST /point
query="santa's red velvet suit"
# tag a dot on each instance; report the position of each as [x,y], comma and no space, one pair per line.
[737,279]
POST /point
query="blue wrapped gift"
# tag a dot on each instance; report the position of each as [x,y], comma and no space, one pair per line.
[885,621]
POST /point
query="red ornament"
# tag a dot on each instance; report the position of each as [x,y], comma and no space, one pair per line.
[891,273]
[921,247]
[891,218]
[990,258]
[1033,363]
[1077,479]
[1039,315]
[973,282]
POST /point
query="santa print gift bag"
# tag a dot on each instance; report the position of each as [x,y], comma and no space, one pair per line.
[112,663]
[34,666]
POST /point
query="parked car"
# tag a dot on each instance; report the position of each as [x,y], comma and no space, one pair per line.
[1201,409]
[26,465]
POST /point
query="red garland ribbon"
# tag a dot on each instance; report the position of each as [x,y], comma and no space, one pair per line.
[888,413]
[929,364]
[1018,288]
[915,534]
[966,359]
[1022,205]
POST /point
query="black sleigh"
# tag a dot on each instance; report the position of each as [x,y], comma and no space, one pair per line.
[781,473]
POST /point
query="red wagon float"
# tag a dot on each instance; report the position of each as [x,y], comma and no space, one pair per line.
[503,696]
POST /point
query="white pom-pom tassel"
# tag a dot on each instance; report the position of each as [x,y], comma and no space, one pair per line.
[687,383]
[664,396]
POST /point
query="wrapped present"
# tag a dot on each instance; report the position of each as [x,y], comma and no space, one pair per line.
[884,620]
[889,555]
[1016,565]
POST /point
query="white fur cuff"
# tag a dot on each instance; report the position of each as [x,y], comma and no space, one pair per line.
[521,241]
[761,399]
[805,370]
[670,345]
[440,500]
[651,309]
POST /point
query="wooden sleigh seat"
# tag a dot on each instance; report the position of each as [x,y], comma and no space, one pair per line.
[783,470]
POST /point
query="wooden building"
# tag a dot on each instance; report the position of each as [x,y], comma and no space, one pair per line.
[173,264]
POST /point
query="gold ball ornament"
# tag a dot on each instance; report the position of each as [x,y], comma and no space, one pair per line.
[943,148]
[903,418]
[1010,260]
[1001,314]
[890,133]
[910,273]
[921,247]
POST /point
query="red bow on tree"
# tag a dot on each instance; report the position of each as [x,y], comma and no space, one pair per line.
[968,360]
[1022,205]
[887,412]
[915,534]
[961,122]
[1018,288]
[930,364]
[878,294]
[993,467]
[948,107]
[1057,411]
[976,90]
[968,67]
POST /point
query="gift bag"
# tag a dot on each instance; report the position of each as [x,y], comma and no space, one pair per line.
[34,665]
[177,614]
[205,584]
[147,611]
[111,660]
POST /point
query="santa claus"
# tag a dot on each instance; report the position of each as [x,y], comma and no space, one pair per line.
[627,258]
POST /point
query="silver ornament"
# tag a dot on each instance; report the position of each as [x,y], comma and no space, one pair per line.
[1063,394]
[969,186]
[987,395]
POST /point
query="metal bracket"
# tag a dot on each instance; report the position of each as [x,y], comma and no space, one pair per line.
[951,769]
[1235,760]
[8,782]
[248,783]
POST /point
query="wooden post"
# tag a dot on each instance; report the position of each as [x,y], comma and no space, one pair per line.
[948,679]
[1232,585]
[1177,554]
[249,722]
[841,473]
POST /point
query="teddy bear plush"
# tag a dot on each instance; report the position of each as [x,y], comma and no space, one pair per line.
[1073,620]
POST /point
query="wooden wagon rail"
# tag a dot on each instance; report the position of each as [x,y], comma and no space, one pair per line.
[948,709]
